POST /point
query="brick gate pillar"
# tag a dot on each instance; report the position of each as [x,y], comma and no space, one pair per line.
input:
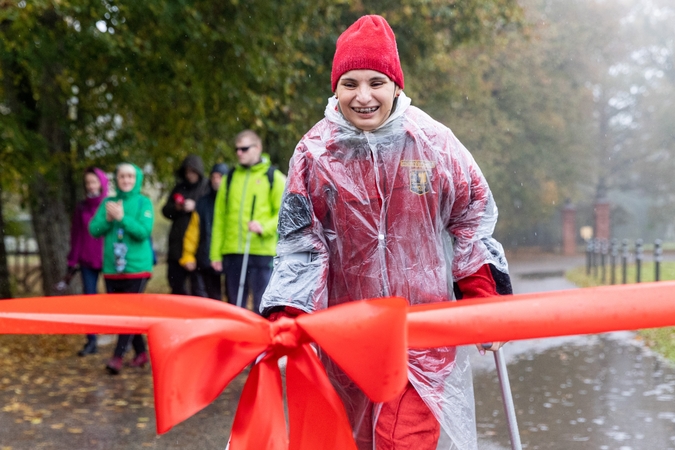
[601,213]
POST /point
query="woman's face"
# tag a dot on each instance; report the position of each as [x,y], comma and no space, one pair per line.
[92,184]
[366,97]
[191,176]
[126,179]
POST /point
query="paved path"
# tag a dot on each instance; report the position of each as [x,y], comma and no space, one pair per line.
[604,392]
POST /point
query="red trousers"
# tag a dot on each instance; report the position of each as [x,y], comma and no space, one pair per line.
[406,423]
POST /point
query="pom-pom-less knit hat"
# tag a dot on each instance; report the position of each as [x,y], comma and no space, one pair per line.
[369,43]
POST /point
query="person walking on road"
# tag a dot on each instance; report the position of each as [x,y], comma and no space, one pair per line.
[252,181]
[86,251]
[382,200]
[125,222]
[178,209]
[197,240]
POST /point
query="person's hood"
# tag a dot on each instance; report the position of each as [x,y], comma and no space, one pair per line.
[193,162]
[334,115]
[136,190]
[103,178]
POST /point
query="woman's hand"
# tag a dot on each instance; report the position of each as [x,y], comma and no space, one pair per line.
[489,346]
[189,205]
[114,210]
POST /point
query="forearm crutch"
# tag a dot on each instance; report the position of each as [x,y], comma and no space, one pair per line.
[507,398]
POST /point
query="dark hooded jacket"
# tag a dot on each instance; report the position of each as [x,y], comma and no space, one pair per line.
[179,218]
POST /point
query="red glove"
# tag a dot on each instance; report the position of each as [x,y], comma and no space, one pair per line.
[288,311]
[178,198]
[479,284]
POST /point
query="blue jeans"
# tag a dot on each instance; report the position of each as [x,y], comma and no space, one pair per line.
[89,286]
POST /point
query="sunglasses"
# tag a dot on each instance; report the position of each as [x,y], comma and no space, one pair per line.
[243,149]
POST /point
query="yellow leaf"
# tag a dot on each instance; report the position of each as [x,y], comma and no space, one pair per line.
[36,420]
[56,426]
[75,430]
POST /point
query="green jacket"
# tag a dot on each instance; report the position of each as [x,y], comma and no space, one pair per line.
[133,230]
[230,222]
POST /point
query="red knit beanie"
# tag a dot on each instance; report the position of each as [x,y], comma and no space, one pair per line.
[368,44]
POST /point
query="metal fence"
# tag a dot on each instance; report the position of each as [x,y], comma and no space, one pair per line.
[23,263]
[603,257]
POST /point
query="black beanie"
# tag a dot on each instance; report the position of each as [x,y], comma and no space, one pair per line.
[221,168]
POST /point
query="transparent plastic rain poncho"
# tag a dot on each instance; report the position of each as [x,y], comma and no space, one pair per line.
[398,211]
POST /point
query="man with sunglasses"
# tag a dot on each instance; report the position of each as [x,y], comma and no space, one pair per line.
[247,202]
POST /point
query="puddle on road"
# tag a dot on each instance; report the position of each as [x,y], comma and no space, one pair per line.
[542,275]
[607,395]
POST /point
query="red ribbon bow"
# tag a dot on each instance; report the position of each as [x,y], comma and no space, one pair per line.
[198,346]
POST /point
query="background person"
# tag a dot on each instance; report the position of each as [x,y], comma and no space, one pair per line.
[382,200]
[86,251]
[125,222]
[252,177]
[178,209]
[197,240]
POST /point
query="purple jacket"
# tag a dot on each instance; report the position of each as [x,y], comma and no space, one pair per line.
[86,250]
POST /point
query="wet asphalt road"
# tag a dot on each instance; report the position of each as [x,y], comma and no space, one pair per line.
[602,392]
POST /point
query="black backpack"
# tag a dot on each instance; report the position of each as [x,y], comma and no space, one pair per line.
[230,174]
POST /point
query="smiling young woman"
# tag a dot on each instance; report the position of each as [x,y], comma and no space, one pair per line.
[382,200]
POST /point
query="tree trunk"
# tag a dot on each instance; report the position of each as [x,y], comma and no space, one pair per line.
[50,188]
[48,173]
[48,197]
[52,230]
[5,288]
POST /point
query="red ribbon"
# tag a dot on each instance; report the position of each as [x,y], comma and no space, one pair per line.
[198,346]
[542,314]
